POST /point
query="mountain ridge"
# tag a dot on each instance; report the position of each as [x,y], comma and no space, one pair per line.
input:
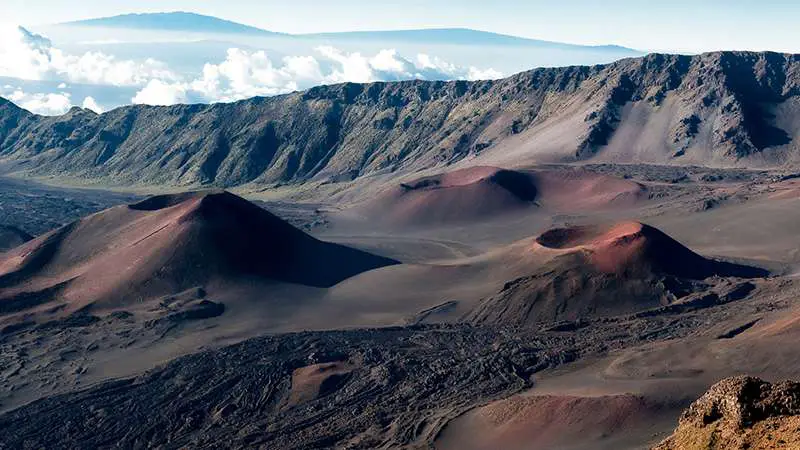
[723,109]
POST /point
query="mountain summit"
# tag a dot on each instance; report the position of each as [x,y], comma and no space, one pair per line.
[199,23]
[171,21]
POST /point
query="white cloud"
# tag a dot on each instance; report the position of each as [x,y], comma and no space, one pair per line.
[91,103]
[485,74]
[48,104]
[158,92]
[305,68]
[99,68]
[351,67]
[52,104]
[23,54]
[444,70]
[389,65]
[30,56]
[243,74]
[246,74]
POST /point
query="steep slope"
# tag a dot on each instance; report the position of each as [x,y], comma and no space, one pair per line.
[596,272]
[740,413]
[163,246]
[718,109]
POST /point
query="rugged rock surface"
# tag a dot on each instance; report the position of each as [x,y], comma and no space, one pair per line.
[353,389]
[740,413]
[375,388]
[392,387]
[716,109]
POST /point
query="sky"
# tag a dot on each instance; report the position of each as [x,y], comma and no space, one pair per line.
[48,73]
[667,25]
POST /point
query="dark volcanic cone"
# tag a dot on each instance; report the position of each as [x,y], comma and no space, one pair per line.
[165,245]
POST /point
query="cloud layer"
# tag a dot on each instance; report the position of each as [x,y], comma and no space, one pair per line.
[30,56]
[49,104]
[241,75]
[246,74]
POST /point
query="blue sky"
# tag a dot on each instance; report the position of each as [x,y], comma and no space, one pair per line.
[668,25]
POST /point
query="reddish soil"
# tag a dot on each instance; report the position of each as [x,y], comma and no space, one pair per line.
[525,422]
[317,380]
[618,248]
[473,194]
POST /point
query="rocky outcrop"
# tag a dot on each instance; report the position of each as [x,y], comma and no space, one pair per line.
[740,413]
[719,109]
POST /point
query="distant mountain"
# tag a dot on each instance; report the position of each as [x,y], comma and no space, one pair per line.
[191,22]
[171,21]
[459,36]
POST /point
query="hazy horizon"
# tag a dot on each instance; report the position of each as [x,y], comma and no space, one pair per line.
[677,26]
[48,69]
